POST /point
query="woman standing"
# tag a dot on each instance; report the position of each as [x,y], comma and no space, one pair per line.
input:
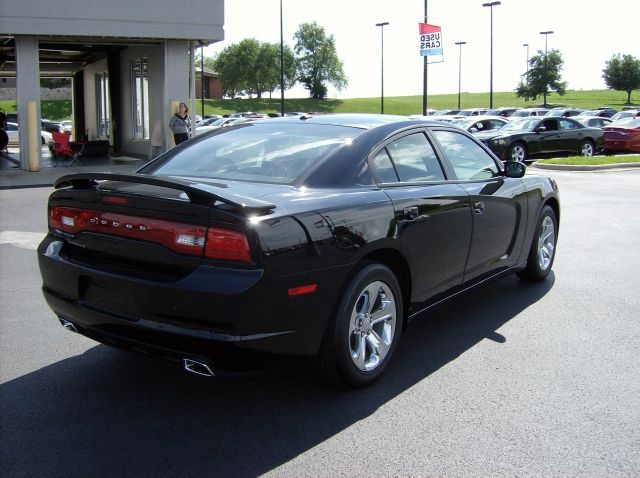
[180,124]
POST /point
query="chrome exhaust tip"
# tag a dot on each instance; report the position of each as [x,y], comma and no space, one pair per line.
[197,367]
[67,325]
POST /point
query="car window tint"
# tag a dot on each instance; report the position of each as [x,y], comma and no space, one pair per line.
[550,124]
[383,168]
[415,159]
[564,124]
[264,152]
[468,159]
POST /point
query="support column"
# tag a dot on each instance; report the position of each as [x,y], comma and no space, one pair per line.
[28,89]
[176,82]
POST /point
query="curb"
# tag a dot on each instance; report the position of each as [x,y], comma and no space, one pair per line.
[594,167]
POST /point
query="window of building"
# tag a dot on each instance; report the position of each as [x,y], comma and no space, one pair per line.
[102,105]
[140,98]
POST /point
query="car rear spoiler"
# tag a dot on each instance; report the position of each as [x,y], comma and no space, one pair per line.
[197,192]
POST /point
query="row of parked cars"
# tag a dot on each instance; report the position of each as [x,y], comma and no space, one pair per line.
[521,133]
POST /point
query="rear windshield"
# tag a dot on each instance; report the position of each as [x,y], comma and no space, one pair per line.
[273,153]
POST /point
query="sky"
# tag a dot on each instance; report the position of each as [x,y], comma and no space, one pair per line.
[586,32]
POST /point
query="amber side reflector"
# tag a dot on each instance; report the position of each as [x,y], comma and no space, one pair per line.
[303,290]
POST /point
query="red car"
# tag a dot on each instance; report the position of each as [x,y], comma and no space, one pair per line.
[623,136]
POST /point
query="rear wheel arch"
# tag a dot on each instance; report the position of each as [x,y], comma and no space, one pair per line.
[397,263]
[553,203]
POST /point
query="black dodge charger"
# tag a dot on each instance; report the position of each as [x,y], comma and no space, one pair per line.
[523,138]
[313,237]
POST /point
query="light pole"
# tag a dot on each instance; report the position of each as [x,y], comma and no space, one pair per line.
[382,25]
[491,5]
[281,64]
[546,35]
[527,45]
[460,43]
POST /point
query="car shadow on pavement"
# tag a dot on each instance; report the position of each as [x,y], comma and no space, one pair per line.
[106,412]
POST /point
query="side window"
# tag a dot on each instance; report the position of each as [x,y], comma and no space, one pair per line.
[468,159]
[564,124]
[550,124]
[383,168]
[415,159]
[495,124]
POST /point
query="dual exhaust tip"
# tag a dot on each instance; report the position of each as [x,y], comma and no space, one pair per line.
[196,367]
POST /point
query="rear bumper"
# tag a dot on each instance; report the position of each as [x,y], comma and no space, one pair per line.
[235,319]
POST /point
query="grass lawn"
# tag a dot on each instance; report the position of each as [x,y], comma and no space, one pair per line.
[400,105]
[595,160]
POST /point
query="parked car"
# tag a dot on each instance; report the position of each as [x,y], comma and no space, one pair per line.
[472,112]
[67,125]
[292,239]
[593,121]
[52,126]
[523,138]
[211,116]
[602,112]
[622,136]
[481,124]
[526,112]
[563,112]
[625,114]
[219,123]
[442,118]
[505,111]
[13,132]
[446,113]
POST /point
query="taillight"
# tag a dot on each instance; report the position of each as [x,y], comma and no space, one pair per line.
[227,245]
[214,243]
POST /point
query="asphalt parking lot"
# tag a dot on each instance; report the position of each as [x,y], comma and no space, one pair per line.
[512,379]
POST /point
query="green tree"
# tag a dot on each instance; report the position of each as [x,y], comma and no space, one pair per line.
[536,82]
[267,68]
[253,67]
[226,65]
[622,73]
[318,62]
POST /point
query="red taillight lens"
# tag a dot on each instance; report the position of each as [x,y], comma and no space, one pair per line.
[216,243]
[227,245]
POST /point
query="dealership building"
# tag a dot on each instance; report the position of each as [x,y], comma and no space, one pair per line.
[130,64]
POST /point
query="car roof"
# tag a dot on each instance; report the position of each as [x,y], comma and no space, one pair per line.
[362,121]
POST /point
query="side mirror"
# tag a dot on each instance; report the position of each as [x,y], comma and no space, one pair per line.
[514,169]
[541,129]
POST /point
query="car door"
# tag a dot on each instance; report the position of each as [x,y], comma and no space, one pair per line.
[499,204]
[571,135]
[551,139]
[432,215]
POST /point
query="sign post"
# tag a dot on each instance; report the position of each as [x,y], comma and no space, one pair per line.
[431,46]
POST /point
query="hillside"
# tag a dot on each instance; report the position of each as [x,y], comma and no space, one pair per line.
[401,105]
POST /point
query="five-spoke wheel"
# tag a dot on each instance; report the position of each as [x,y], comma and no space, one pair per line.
[364,331]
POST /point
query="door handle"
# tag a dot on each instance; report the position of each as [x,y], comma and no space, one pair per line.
[478,207]
[410,213]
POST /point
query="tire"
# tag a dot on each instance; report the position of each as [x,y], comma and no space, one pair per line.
[518,152]
[543,247]
[587,148]
[363,334]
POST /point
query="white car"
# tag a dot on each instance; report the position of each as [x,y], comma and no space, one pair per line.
[14,136]
[593,121]
[220,123]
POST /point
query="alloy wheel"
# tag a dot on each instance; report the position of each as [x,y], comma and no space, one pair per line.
[518,153]
[587,149]
[372,325]
[546,243]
